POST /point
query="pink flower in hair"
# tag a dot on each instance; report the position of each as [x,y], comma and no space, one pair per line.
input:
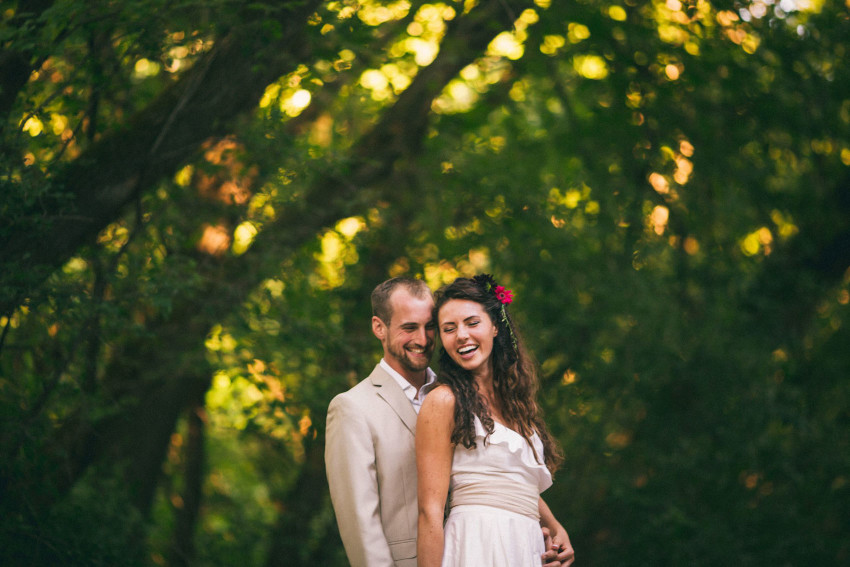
[503,295]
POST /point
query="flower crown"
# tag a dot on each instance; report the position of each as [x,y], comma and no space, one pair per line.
[505,296]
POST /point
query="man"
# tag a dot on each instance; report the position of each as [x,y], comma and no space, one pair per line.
[369,450]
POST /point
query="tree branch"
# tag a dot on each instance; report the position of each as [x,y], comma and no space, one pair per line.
[228,82]
[16,66]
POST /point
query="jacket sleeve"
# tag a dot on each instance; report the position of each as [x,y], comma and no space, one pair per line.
[353,481]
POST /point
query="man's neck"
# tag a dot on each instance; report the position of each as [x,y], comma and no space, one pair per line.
[416,379]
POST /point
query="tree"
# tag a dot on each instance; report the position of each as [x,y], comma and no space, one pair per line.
[197,199]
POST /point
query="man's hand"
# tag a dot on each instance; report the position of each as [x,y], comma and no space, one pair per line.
[559,551]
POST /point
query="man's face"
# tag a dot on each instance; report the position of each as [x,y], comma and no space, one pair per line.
[408,339]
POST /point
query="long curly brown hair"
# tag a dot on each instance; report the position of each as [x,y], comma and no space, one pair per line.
[515,380]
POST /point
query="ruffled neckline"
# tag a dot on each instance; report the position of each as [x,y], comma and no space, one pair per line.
[517,445]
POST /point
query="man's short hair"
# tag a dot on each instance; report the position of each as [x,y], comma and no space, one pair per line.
[381,306]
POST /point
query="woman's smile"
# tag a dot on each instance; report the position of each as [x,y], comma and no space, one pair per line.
[467,332]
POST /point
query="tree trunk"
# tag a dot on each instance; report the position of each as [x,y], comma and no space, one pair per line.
[183,547]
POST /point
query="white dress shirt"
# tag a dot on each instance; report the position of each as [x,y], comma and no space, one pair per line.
[416,398]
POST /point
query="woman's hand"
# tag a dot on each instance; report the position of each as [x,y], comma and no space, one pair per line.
[559,551]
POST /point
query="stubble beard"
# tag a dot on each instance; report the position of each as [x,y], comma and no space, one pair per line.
[401,355]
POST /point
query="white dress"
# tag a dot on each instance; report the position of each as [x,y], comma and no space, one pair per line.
[494,492]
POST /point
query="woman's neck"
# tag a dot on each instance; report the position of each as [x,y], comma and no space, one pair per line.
[483,377]
[485,387]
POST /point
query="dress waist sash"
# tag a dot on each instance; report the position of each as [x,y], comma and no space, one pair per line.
[506,495]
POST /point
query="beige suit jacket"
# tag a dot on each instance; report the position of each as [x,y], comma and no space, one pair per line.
[371,466]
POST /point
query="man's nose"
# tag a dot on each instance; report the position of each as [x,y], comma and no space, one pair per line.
[421,336]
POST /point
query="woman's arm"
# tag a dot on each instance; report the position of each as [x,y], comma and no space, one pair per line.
[561,545]
[434,451]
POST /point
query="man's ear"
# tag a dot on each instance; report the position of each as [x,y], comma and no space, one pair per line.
[378,328]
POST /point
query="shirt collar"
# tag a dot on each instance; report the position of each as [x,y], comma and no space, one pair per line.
[408,388]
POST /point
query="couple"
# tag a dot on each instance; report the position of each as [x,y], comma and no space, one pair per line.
[480,441]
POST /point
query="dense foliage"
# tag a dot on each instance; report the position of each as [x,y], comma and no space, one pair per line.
[197,197]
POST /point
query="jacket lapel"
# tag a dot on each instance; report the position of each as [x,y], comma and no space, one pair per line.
[388,389]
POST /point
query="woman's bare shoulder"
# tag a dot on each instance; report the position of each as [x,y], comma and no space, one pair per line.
[441,395]
[439,401]
[437,413]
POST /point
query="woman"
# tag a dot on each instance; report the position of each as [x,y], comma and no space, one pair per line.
[480,437]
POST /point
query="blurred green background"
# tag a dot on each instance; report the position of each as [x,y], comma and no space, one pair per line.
[198,197]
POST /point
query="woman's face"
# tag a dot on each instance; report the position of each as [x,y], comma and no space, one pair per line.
[467,332]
